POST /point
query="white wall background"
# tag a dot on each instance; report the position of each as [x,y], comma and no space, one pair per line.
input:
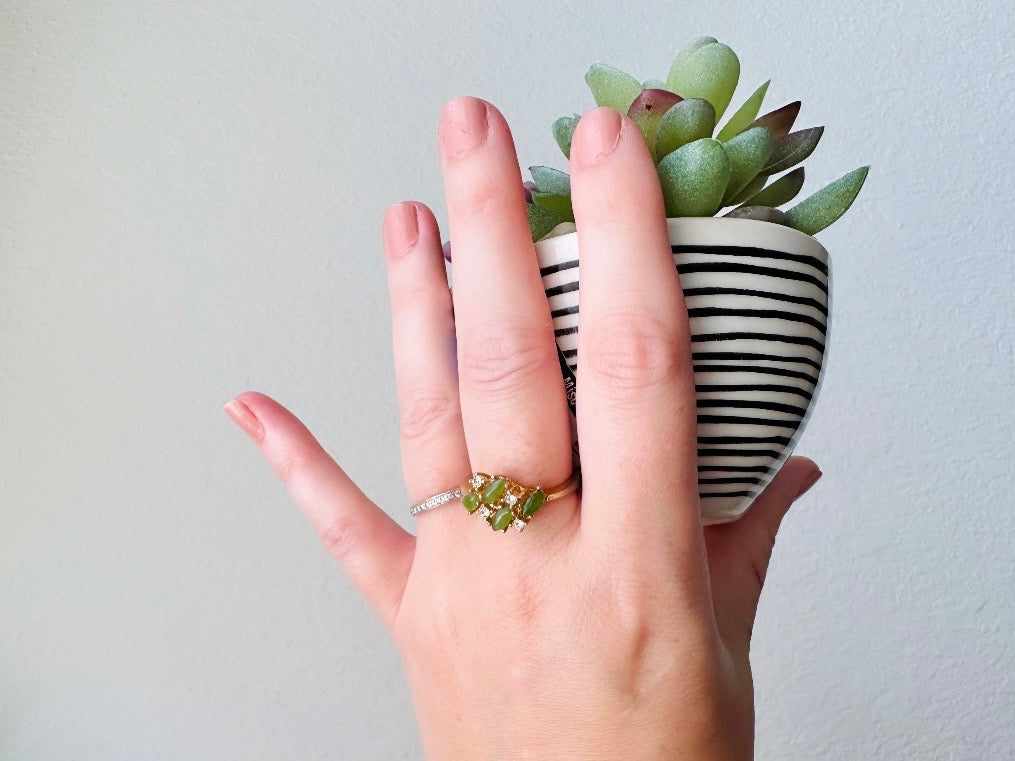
[191,196]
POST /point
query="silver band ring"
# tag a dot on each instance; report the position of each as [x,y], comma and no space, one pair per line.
[436,500]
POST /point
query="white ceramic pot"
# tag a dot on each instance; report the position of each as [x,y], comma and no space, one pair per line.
[757,296]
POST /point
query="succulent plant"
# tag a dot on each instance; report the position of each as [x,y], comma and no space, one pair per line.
[700,174]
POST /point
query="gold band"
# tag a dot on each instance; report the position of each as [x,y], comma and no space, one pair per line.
[504,502]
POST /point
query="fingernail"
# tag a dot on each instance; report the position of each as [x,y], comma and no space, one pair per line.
[401,228]
[244,418]
[598,135]
[465,125]
[813,479]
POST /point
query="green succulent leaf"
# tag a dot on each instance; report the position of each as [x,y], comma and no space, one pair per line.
[653,84]
[559,204]
[710,71]
[612,87]
[563,131]
[541,220]
[744,115]
[780,121]
[748,153]
[780,191]
[749,190]
[761,213]
[791,149]
[687,121]
[694,178]
[550,180]
[647,111]
[689,49]
[818,211]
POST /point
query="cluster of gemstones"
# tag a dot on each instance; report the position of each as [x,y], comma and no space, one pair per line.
[501,501]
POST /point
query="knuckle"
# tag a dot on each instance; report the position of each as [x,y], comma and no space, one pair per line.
[630,351]
[500,360]
[483,198]
[339,537]
[425,413]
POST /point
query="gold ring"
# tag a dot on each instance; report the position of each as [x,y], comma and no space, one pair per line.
[504,502]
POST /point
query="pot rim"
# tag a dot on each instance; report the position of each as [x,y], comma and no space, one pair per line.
[803,240]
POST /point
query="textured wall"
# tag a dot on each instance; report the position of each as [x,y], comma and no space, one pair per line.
[191,196]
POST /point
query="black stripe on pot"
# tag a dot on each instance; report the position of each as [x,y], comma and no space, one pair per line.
[735,468]
[779,389]
[780,371]
[563,288]
[742,355]
[751,336]
[738,453]
[732,480]
[751,404]
[761,253]
[750,493]
[774,314]
[564,311]
[751,269]
[783,440]
[759,421]
[720,291]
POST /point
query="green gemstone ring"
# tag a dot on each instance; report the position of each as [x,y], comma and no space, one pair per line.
[503,502]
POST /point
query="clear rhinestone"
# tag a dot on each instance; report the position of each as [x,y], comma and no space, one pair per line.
[476,482]
[518,523]
[511,499]
[485,512]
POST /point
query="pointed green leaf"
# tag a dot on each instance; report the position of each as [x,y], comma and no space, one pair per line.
[687,121]
[563,130]
[710,72]
[824,207]
[749,190]
[550,180]
[780,121]
[761,213]
[744,115]
[780,191]
[653,84]
[559,204]
[748,152]
[793,148]
[612,87]
[541,220]
[693,178]
[646,112]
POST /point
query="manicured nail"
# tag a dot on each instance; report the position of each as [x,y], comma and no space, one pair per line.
[598,138]
[244,418]
[812,479]
[465,125]
[401,228]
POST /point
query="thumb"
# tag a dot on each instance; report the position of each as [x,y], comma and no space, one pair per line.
[739,552]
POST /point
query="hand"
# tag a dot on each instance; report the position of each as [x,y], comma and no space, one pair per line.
[613,626]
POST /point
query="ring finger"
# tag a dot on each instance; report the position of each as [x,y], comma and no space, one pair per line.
[514,409]
[434,457]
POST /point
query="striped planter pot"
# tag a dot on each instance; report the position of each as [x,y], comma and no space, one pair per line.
[757,299]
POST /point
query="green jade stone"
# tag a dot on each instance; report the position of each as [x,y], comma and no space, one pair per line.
[493,491]
[471,501]
[501,519]
[533,502]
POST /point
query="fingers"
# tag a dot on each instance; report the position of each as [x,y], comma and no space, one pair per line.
[635,394]
[434,457]
[375,552]
[739,552]
[512,393]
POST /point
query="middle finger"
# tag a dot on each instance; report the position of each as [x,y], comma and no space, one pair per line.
[514,409]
